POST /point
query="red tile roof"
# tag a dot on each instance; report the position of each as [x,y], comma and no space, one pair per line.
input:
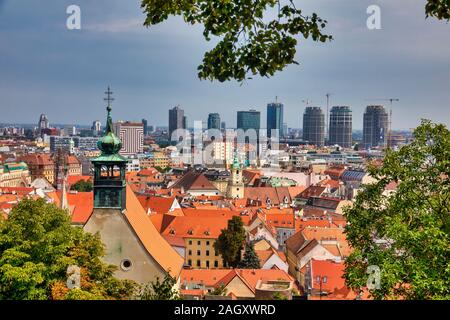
[82,205]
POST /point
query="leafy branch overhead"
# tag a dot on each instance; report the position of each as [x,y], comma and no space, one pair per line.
[250,42]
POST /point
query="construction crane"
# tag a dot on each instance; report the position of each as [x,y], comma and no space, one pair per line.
[391,100]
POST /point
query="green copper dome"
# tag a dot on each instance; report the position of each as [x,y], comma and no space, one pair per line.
[236,164]
[109,144]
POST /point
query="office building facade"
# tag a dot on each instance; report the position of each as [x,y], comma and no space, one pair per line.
[314,126]
[340,129]
[214,121]
[375,127]
[177,120]
[275,119]
[132,136]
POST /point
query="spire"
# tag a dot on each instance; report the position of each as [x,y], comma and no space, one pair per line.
[109,144]
[109,99]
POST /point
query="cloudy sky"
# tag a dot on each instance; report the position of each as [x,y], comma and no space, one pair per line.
[46,68]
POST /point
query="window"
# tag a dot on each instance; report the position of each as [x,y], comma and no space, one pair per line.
[207,263]
[190,252]
[126,264]
[199,253]
[207,252]
[190,242]
[190,262]
[207,243]
[198,242]
[216,264]
[198,263]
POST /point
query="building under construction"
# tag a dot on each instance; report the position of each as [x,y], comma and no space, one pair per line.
[375,127]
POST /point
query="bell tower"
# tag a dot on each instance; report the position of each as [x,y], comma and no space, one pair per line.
[109,167]
[235,189]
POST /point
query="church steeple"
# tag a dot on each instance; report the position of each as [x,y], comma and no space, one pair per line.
[109,167]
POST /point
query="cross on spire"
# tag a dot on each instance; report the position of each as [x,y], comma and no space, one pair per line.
[109,97]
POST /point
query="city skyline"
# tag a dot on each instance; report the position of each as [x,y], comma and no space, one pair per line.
[358,67]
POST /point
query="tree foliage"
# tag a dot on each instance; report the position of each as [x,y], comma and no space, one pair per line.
[82,186]
[231,242]
[38,244]
[406,234]
[161,290]
[251,259]
[439,9]
[220,290]
[254,36]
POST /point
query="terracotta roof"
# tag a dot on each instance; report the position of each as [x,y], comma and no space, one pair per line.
[335,283]
[175,241]
[332,184]
[194,181]
[217,277]
[150,238]
[208,277]
[159,205]
[312,191]
[82,205]
[261,194]
[329,234]
[74,179]
[294,191]
[265,255]
[196,227]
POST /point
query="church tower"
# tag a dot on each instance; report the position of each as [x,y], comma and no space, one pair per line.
[109,168]
[235,189]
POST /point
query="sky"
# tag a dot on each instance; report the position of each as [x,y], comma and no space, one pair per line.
[46,68]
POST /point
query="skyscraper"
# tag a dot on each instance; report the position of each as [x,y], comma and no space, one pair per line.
[176,120]
[132,136]
[43,122]
[375,127]
[341,126]
[248,120]
[145,125]
[275,118]
[314,126]
[214,121]
[96,128]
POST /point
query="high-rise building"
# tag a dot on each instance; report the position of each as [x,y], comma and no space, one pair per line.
[96,128]
[176,120]
[43,125]
[184,122]
[248,120]
[314,126]
[285,129]
[375,127]
[275,118]
[214,121]
[341,126]
[43,122]
[145,125]
[132,136]
[223,125]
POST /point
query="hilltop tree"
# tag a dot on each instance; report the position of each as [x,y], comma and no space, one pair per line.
[38,244]
[251,259]
[231,242]
[405,234]
[161,290]
[439,9]
[82,186]
[254,37]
